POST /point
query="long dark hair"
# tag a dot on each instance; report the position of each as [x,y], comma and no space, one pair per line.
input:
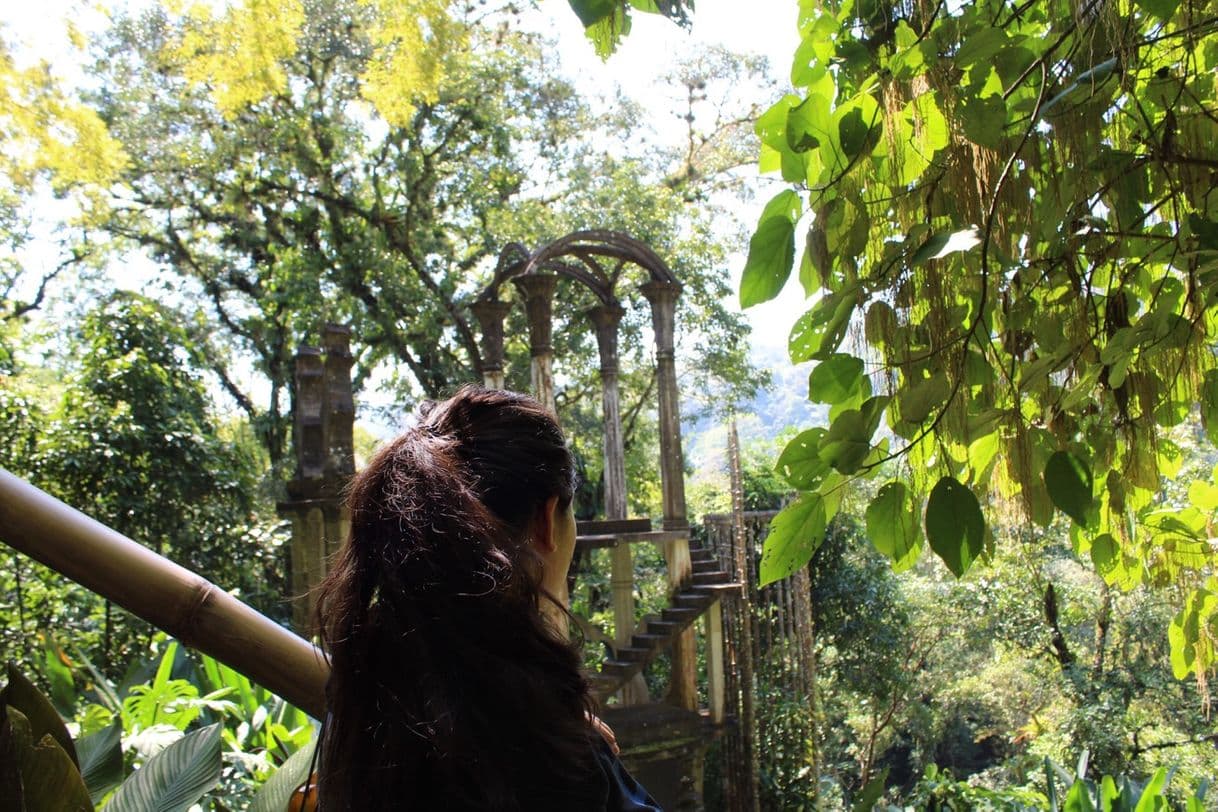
[448,687]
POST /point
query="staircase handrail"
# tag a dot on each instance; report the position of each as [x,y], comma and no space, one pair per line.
[182,603]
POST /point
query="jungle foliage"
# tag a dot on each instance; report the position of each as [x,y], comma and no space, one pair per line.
[1012,253]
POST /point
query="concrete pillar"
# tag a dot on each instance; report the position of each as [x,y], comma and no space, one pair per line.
[538,291]
[490,315]
[663,299]
[715,674]
[338,409]
[308,556]
[606,318]
[308,426]
[683,690]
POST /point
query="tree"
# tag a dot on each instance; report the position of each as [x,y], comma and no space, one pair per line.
[135,444]
[1014,204]
[305,204]
[48,142]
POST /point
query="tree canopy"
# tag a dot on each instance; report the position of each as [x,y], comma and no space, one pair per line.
[1012,256]
[278,186]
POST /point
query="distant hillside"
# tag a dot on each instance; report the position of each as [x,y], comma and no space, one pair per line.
[781,409]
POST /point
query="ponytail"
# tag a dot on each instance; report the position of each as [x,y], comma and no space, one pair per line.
[448,688]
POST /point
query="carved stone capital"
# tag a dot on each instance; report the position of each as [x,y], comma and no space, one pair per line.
[490,314]
[606,318]
[663,298]
[538,292]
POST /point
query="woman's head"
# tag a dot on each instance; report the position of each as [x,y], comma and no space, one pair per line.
[450,509]
[432,614]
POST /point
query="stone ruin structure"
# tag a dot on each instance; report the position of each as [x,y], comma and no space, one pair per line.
[664,742]
[322,436]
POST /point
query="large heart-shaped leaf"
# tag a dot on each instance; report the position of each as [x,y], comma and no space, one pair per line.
[175,778]
[1068,481]
[955,526]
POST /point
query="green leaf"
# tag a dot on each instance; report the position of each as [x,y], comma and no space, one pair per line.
[800,462]
[175,778]
[101,760]
[1068,481]
[919,400]
[278,789]
[807,124]
[1153,794]
[1163,9]
[871,794]
[955,526]
[893,526]
[846,445]
[795,534]
[818,332]
[608,31]
[592,11]
[855,134]
[944,243]
[981,46]
[1105,555]
[51,781]
[771,251]
[1209,405]
[44,720]
[835,379]
[984,120]
[1078,799]
[59,675]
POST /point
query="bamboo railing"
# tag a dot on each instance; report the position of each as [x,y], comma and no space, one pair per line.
[185,605]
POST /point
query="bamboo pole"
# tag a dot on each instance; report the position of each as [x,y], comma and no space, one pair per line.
[171,597]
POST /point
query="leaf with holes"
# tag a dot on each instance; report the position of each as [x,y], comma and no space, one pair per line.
[800,462]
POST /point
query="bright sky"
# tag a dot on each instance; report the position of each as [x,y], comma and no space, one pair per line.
[765,27]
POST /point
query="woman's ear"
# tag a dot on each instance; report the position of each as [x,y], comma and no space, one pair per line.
[543,525]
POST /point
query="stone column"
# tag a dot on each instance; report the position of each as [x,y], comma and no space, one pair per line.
[606,318]
[716,676]
[538,291]
[308,425]
[663,299]
[490,315]
[683,690]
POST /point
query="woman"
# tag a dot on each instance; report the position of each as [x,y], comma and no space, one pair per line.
[450,686]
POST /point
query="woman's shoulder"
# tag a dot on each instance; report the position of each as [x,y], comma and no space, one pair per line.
[625,794]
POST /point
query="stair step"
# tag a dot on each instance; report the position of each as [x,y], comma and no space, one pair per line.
[713,590]
[604,685]
[713,577]
[706,566]
[697,601]
[648,641]
[633,653]
[618,668]
[678,614]
[664,627]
